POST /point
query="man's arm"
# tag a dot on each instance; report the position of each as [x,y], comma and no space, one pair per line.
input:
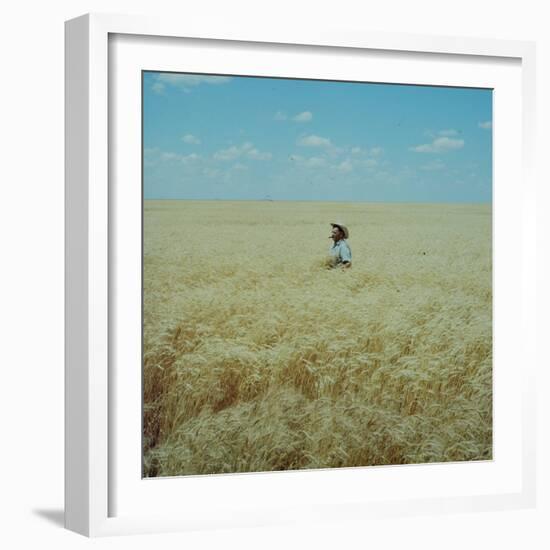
[345,255]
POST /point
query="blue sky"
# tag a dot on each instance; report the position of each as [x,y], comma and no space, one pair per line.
[247,138]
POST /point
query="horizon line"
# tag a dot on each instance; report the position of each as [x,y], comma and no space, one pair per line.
[310,200]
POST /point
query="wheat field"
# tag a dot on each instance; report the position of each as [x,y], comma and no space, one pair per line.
[256,357]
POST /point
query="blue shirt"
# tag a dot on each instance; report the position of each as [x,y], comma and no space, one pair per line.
[341,252]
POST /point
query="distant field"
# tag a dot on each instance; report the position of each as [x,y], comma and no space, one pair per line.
[258,358]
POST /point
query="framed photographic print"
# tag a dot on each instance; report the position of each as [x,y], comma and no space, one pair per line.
[297,276]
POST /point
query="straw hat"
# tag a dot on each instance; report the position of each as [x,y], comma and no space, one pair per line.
[343,228]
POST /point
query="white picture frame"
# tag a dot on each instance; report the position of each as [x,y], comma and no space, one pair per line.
[99,501]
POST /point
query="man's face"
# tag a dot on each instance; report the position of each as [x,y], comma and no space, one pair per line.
[336,234]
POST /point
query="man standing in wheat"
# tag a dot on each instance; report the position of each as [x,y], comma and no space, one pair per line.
[340,252]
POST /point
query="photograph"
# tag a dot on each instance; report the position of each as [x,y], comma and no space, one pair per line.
[317,274]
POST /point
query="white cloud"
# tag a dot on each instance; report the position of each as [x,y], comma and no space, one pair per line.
[345,166]
[230,153]
[439,145]
[306,116]
[190,138]
[314,162]
[152,156]
[246,150]
[314,141]
[358,160]
[373,152]
[436,164]
[212,172]
[185,82]
[158,87]
[169,156]
[255,154]
[448,133]
[487,125]
[311,162]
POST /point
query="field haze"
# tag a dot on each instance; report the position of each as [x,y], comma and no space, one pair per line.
[258,358]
